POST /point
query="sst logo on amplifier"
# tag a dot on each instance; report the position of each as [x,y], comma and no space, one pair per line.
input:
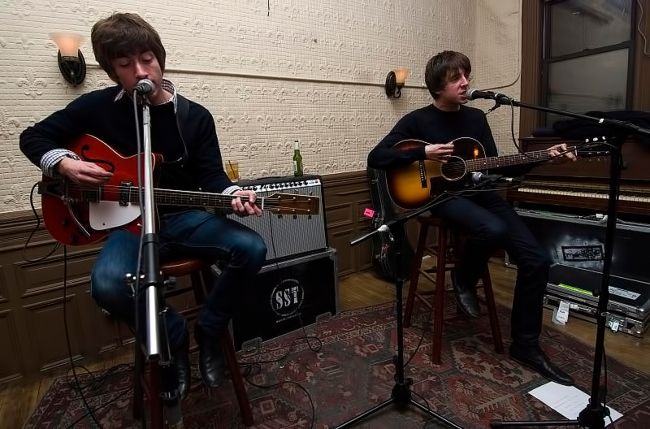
[286,298]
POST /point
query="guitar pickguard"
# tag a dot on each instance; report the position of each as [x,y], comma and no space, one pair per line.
[105,215]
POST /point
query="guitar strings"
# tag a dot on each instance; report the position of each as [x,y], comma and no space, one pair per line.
[214,198]
[538,156]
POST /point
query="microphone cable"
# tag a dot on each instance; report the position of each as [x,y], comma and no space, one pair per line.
[56,244]
[254,368]
[67,337]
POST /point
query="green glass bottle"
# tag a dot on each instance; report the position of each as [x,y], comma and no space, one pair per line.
[297,160]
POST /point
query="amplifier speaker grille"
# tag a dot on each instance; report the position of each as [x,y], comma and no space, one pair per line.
[287,236]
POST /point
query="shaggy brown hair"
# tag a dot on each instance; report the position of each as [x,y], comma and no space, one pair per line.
[124,34]
[443,68]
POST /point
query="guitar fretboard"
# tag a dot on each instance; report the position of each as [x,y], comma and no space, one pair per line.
[172,197]
[507,160]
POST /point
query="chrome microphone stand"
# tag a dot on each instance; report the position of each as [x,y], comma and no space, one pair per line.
[149,281]
[151,273]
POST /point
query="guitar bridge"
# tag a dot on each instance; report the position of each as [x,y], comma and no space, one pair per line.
[424,181]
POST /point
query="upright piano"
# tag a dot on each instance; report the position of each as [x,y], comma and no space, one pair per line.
[584,184]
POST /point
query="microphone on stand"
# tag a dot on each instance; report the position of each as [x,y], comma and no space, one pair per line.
[473,94]
[144,86]
[479,178]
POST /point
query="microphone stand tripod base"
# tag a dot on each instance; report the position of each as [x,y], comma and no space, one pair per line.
[401,393]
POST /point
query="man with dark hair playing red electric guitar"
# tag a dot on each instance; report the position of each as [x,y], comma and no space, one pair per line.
[448,131]
[183,132]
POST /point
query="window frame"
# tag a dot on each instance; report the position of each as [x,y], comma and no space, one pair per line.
[547,60]
[532,73]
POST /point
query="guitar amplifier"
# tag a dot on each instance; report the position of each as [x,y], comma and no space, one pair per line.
[285,235]
[285,296]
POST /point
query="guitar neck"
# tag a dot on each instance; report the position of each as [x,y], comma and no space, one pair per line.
[278,203]
[508,160]
[174,197]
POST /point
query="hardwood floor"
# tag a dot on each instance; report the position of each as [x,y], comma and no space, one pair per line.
[19,399]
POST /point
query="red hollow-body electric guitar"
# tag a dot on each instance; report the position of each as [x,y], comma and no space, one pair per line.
[81,214]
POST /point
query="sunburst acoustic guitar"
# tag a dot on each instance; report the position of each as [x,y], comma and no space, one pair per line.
[79,215]
[414,185]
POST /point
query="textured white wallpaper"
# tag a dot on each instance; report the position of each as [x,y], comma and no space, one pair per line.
[271,72]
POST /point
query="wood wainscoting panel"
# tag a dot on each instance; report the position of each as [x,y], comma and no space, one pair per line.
[45,332]
[10,362]
[346,196]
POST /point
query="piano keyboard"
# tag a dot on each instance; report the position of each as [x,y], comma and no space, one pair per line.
[632,197]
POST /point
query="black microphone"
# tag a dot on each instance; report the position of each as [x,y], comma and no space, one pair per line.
[473,94]
[479,178]
[144,86]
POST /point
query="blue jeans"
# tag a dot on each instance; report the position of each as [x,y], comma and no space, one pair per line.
[191,233]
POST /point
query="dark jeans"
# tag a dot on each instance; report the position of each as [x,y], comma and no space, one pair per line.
[191,233]
[491,224]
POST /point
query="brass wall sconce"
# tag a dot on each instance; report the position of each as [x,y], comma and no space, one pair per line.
[395,81]
[71,61]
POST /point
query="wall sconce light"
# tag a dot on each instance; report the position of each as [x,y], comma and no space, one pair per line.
[71,61]
[395,81]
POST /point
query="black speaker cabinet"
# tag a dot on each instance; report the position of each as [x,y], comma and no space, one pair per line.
[286,296]
[287,236]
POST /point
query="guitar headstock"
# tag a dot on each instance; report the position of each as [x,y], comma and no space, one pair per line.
[595,147]
[292,204]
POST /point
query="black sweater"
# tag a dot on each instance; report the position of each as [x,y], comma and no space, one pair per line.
[97,113]
[433,125]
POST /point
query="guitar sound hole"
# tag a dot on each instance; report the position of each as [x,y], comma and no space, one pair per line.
[453,169]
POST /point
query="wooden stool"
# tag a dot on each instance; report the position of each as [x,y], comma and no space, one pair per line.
[200,275]
[441,251]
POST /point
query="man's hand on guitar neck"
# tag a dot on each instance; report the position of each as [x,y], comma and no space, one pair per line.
[560,153]
[83,172]
[247,206]
[439,152]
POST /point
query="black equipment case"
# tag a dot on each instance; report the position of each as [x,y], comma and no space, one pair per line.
[628,308]
[576,246]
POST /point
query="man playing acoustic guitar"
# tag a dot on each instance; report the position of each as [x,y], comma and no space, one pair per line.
[129,50]
[489,220]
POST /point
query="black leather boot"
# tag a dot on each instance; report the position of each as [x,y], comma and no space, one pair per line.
[533,357]
[181,360]
[465,296]
[212,363]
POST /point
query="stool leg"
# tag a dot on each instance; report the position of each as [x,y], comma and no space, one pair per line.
[439,305]
[415,274]
[492,312]
[155,401]
[147,385]
[237,379]
[199,279]
[138,391]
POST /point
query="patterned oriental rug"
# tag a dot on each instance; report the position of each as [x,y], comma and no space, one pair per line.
[353,371]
